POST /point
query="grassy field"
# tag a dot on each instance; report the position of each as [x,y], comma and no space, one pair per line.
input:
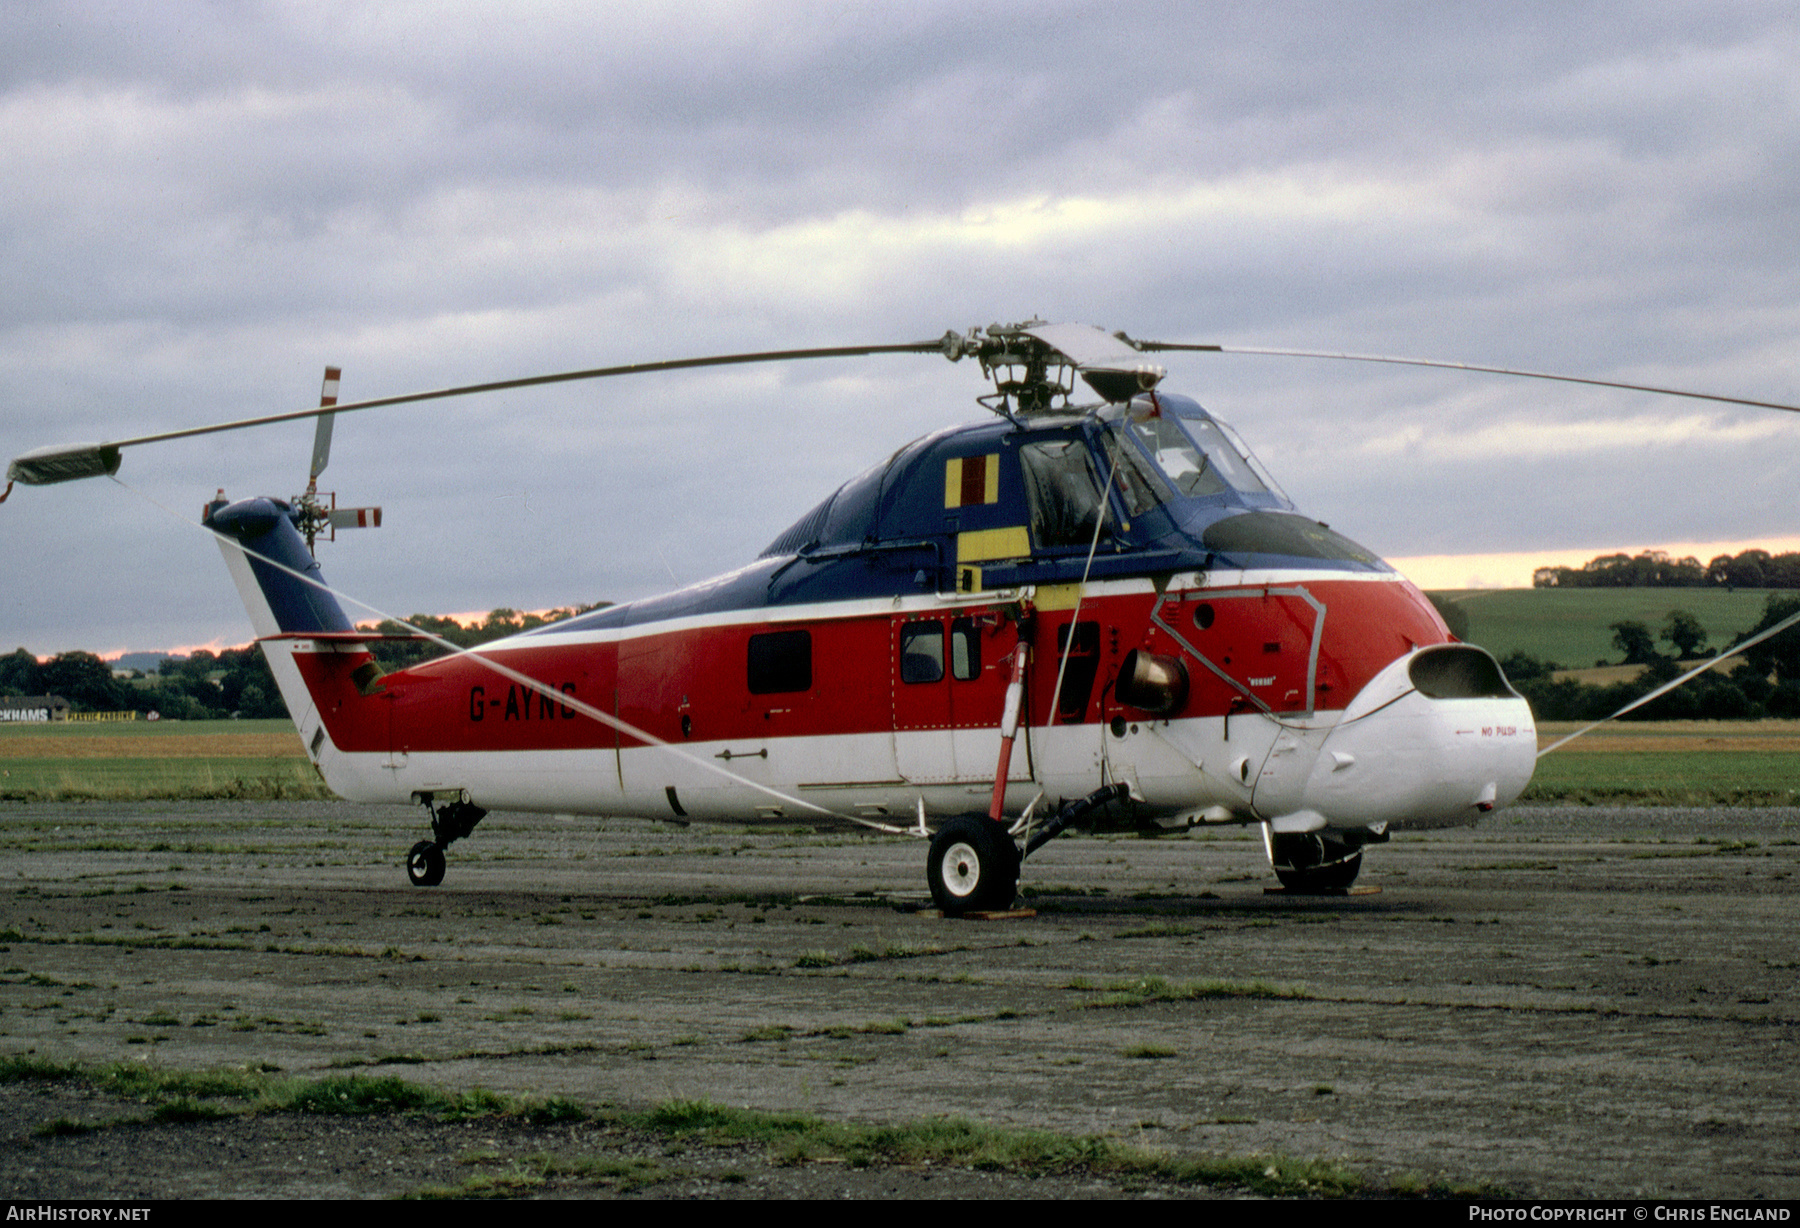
[1666,763]
[1571,626]
[1672,763]
[65,762]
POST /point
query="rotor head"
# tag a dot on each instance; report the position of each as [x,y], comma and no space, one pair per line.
[1034,364]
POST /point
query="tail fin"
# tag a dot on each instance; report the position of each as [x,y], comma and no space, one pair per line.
[268,558]
[262,534]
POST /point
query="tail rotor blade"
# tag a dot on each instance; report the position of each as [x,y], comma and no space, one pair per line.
[328,396]
[354,518]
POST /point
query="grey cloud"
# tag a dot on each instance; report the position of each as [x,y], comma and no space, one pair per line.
[215,201]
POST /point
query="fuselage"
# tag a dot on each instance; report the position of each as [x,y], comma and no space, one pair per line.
[1191,637]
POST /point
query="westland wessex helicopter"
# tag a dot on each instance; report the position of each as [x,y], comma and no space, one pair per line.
[1083,612]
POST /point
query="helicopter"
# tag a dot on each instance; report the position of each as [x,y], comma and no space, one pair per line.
[1093,609]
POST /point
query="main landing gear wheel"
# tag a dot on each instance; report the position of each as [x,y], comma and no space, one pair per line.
[425,864]
[1311,864]
[451,820]
[973,866]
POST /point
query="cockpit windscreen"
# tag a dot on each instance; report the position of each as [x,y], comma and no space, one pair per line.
[1195,456]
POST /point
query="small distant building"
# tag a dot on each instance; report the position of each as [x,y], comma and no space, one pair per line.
[33,708]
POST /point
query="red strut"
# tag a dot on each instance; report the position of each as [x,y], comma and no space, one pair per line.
[1009,727]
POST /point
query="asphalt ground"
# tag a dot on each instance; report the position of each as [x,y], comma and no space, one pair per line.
[1562,1002]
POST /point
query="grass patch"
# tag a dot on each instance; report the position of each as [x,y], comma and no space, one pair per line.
[206,1095]
[141,760]
[556,1110]
[496,1185]
[1709,777]
[186,1108]
[1148,989]
[131,780]
[136,1080]
[954,1140]
[1161,929]
[772,1031]
[1148,1051]
[359,1095]
[863,954]
[1573,626]
[527,1175]
[792,1137]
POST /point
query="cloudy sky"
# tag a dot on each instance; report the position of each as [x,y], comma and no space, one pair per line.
[206,203]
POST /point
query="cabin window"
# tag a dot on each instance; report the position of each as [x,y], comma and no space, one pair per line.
[780,661]
[965,650]
[1063,491]
[922,652]
[1078,675]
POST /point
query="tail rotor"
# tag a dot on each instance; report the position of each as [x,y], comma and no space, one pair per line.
[315,514]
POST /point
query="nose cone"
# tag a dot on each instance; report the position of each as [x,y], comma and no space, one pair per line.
[1434,740]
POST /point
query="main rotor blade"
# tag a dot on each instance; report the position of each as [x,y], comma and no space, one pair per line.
[1153,346]
[533,381]
[65,463]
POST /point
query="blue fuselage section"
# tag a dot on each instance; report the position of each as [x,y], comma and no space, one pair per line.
[1159,487]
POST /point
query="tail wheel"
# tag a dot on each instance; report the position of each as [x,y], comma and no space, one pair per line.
[1311,864]
[973,866]
[425,864]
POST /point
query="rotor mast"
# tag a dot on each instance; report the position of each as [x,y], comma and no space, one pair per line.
[1033,365]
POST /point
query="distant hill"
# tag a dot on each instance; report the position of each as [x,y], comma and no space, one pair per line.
[1572,626]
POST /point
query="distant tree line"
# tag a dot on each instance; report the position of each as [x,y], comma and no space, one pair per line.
[1655,569]
[236,682]
[1765,682]
[399,653]
[203,686]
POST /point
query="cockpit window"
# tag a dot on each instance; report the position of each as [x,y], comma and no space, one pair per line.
[1137,481]
[1196,456]
[1224,458]
[1250,458]
[1257,478]
[1181,460]
[1063,491]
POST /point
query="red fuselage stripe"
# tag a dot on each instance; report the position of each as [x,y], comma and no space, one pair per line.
[692,684]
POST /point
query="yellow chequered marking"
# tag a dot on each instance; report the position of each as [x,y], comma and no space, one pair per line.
[979,545]
[1058,596]
[971,480]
